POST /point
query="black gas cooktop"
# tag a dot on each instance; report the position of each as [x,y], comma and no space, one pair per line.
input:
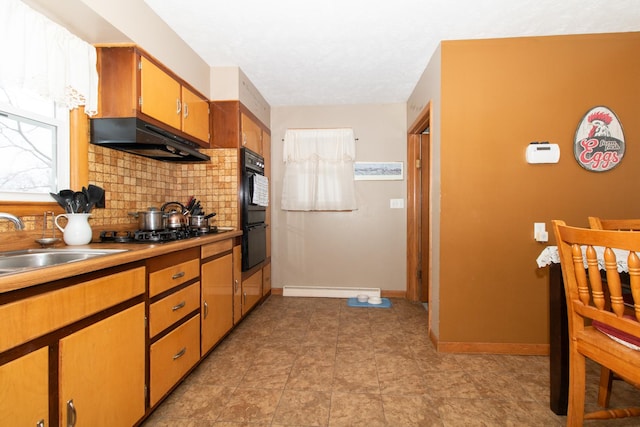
[156,236]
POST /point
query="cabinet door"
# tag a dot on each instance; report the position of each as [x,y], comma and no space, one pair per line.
[102,370]
[195,115]
[251,134]
[217,300]
[251,291]
[160,94]
[24,390]
[237,284]
[266,279]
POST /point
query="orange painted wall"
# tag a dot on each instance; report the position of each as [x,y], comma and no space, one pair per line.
[497,96]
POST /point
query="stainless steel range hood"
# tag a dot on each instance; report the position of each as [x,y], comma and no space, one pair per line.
[135,136]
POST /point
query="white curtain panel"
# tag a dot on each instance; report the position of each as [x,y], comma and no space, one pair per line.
[40,56]
[319,170]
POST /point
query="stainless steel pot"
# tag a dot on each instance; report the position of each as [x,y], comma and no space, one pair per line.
[199,222]
[151,220]
[174,218]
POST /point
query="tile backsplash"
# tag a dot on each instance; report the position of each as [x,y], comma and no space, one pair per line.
[134,183]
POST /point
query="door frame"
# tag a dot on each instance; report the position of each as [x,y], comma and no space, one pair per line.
[414,207]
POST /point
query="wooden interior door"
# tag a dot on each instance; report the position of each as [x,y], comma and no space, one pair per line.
[418,208]
[424,241]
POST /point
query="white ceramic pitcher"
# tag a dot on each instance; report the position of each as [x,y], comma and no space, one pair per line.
[78,230]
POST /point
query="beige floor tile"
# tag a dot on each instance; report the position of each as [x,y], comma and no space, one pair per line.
[356,409]
[409,410]
[267,375]
[311,377]
[303,408]
[471,412]
[300,362]
[453,384]
[248,405]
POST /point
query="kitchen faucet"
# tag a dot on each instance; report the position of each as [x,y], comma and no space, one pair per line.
[16,221]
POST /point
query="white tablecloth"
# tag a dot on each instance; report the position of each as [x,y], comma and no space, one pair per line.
[550,255]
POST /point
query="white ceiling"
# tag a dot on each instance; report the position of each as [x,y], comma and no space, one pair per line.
[327,52]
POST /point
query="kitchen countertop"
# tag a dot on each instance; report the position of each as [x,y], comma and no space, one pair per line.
[133,252]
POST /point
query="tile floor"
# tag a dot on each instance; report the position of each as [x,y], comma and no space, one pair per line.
[317,362]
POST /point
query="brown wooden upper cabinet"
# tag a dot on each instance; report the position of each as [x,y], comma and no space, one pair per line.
[133,84]
[234,126]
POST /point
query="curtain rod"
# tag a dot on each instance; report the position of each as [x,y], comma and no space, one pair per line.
[355,139]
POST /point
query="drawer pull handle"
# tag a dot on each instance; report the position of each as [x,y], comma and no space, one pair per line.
[236,285]
[179,306]
[179,354]
[178,275]
[40,423]
[71,414]
[206,310]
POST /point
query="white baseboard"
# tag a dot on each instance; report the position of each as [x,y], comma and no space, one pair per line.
[328,292]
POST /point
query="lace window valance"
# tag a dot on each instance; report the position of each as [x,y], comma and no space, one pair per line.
[40,56]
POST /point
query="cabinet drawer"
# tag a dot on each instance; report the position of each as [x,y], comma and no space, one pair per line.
[216,248]
[35,316]
[174,275]
[172,356]
[172,308]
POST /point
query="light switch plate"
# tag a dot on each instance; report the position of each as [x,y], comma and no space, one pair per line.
[539,232]
[396,203]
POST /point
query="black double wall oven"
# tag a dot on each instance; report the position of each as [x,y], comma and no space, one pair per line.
[253,210]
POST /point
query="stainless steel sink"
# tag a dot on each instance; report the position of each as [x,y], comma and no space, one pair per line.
[15,261]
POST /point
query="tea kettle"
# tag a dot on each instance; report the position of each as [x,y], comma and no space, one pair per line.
[174,218]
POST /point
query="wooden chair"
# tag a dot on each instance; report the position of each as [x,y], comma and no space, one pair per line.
[606,376]
[589,311]
[614,224]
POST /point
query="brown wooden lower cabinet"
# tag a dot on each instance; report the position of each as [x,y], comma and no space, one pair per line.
[251,291]
[24,390]
[266,279]
[101,372]
[217,300]
[83,352]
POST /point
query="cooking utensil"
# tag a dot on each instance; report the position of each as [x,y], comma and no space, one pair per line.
[67,195]
[79,202]
[60,200]
[174,218]
[45,241]
[95,196]
[151,220]
[190,203]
